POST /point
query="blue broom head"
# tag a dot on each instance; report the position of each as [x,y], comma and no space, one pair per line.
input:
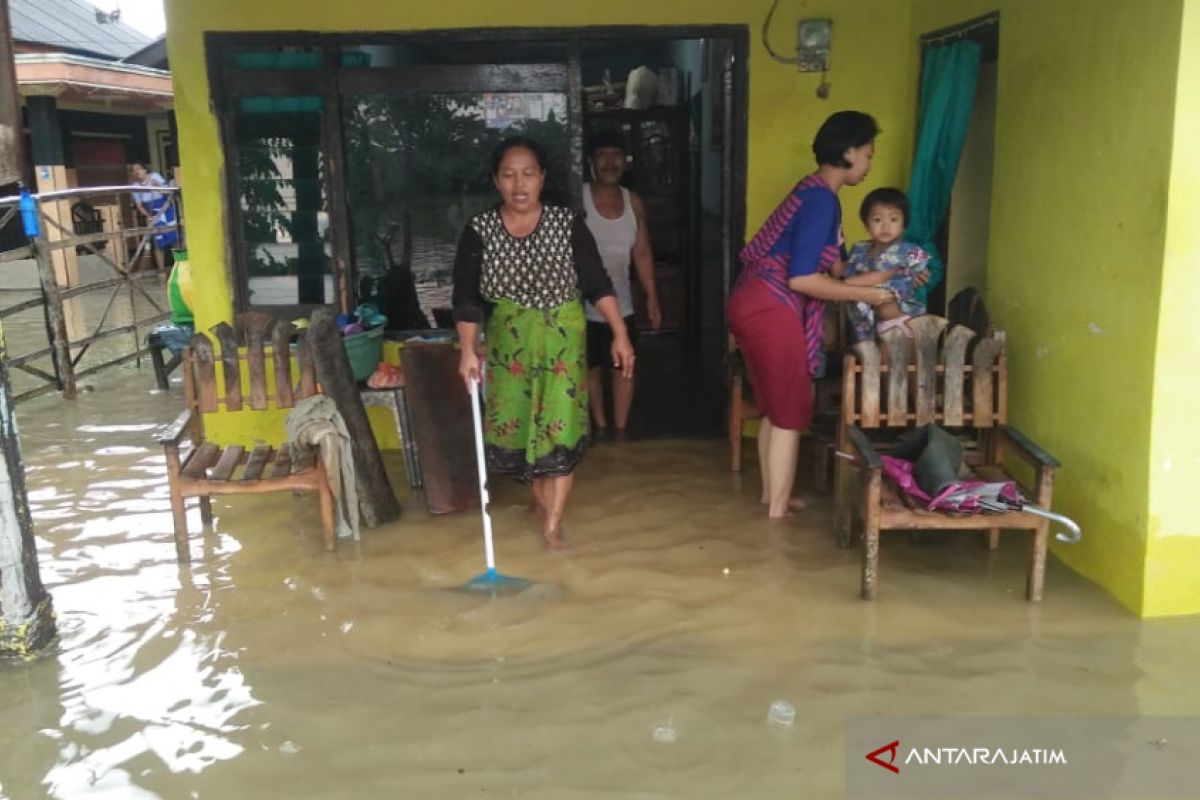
[492,582]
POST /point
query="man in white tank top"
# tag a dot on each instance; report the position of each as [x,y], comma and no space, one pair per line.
[617,220]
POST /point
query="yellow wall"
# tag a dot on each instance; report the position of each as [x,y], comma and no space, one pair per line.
[251,428]
[1078,215]
[1173,556]
[1083,150]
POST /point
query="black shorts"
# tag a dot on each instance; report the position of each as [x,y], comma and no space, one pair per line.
[599,341]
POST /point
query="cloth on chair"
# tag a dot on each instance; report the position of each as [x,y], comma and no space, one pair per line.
[927,465]
[316,424]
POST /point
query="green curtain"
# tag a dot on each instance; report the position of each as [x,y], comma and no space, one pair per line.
[948,81]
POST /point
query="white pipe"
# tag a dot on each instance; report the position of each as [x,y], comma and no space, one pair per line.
[484,499]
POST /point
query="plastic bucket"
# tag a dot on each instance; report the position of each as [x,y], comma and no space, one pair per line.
[364,351]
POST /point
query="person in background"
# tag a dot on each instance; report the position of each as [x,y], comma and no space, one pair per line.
[157,207]
[617,219]
[527,264]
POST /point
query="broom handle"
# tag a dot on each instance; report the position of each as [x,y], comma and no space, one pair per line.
[484,500]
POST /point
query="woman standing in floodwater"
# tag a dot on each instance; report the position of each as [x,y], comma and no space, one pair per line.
[529,264]
[777,308]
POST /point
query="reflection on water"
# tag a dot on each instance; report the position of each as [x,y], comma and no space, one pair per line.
[273,669]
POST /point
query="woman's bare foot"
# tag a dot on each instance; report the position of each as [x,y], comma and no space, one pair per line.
[553,535]
[794,505]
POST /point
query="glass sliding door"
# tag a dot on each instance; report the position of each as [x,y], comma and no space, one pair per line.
[417,168]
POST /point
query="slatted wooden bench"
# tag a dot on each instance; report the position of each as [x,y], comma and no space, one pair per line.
[959,381]
[208,469]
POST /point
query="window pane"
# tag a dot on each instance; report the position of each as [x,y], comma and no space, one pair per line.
[417,169]
[286,253]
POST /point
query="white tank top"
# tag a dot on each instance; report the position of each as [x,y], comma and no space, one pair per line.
[615,238]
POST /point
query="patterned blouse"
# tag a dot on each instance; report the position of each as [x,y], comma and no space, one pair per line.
[554,264]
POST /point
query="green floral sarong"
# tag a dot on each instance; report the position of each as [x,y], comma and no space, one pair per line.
[536,421]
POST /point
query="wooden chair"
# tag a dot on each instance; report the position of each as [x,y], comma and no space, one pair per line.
[741,407]
[938,385]
[209,469]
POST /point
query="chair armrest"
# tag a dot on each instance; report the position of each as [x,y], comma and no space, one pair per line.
[174,433]
[1026,447]
[866,451]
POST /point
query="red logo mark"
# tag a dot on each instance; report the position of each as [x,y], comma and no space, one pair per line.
[873,757]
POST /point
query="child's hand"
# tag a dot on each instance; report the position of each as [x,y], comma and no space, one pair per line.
[877,296]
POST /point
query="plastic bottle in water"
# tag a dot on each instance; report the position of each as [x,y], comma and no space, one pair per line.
[666,734]
[781,715]
[29,214]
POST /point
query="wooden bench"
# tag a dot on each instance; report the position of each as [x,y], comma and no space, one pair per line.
[209,469]
[960,382]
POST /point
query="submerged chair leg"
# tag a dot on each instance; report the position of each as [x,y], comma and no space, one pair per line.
[870,572]
[843,513]
[1041,537]
[206,515]
[1037,562]
[328,507]
[179,520]
[178,509]
[735,425]
[993,540]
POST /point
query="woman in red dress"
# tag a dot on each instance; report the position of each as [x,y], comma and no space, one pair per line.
[777,308]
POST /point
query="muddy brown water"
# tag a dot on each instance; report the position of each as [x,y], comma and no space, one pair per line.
[270,668]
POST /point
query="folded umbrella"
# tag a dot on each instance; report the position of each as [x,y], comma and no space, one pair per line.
[927,464]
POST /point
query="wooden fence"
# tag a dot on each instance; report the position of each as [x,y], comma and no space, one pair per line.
[72,225]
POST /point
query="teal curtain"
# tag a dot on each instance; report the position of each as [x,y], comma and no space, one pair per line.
[947,93]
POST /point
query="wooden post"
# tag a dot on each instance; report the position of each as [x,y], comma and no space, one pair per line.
[335,181]
[51,174]
[12,165]
[58,323]
[26,611]
[376,500]
[575,123]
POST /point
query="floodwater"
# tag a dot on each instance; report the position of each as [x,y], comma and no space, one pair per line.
[641,665]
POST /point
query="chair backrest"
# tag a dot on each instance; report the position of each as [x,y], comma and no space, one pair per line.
[938,385]
[266,343]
